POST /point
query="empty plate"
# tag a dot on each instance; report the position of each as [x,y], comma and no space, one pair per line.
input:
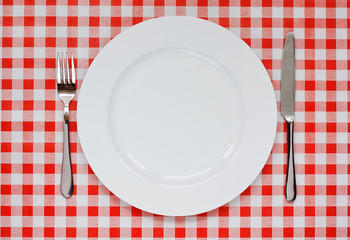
[177,116]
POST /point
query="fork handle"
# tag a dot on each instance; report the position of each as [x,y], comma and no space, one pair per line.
[291,190]
[67,185]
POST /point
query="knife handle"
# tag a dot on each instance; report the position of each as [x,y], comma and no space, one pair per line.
[291,190]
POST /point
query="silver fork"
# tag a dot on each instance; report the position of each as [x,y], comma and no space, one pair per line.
[66,87]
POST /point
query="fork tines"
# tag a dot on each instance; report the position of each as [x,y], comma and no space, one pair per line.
[65,75]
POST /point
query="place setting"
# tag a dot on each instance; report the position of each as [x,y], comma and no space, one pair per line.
[175,125]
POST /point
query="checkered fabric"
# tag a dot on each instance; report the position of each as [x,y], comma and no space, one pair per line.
[32,31]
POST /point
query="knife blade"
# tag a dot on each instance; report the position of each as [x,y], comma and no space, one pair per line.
[288,78]
[287,110]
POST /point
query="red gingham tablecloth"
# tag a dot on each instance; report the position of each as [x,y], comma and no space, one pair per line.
[31,33]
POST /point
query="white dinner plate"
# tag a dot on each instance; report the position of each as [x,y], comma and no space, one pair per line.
[176,116]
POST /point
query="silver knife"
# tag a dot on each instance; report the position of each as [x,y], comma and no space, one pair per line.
[287,109]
